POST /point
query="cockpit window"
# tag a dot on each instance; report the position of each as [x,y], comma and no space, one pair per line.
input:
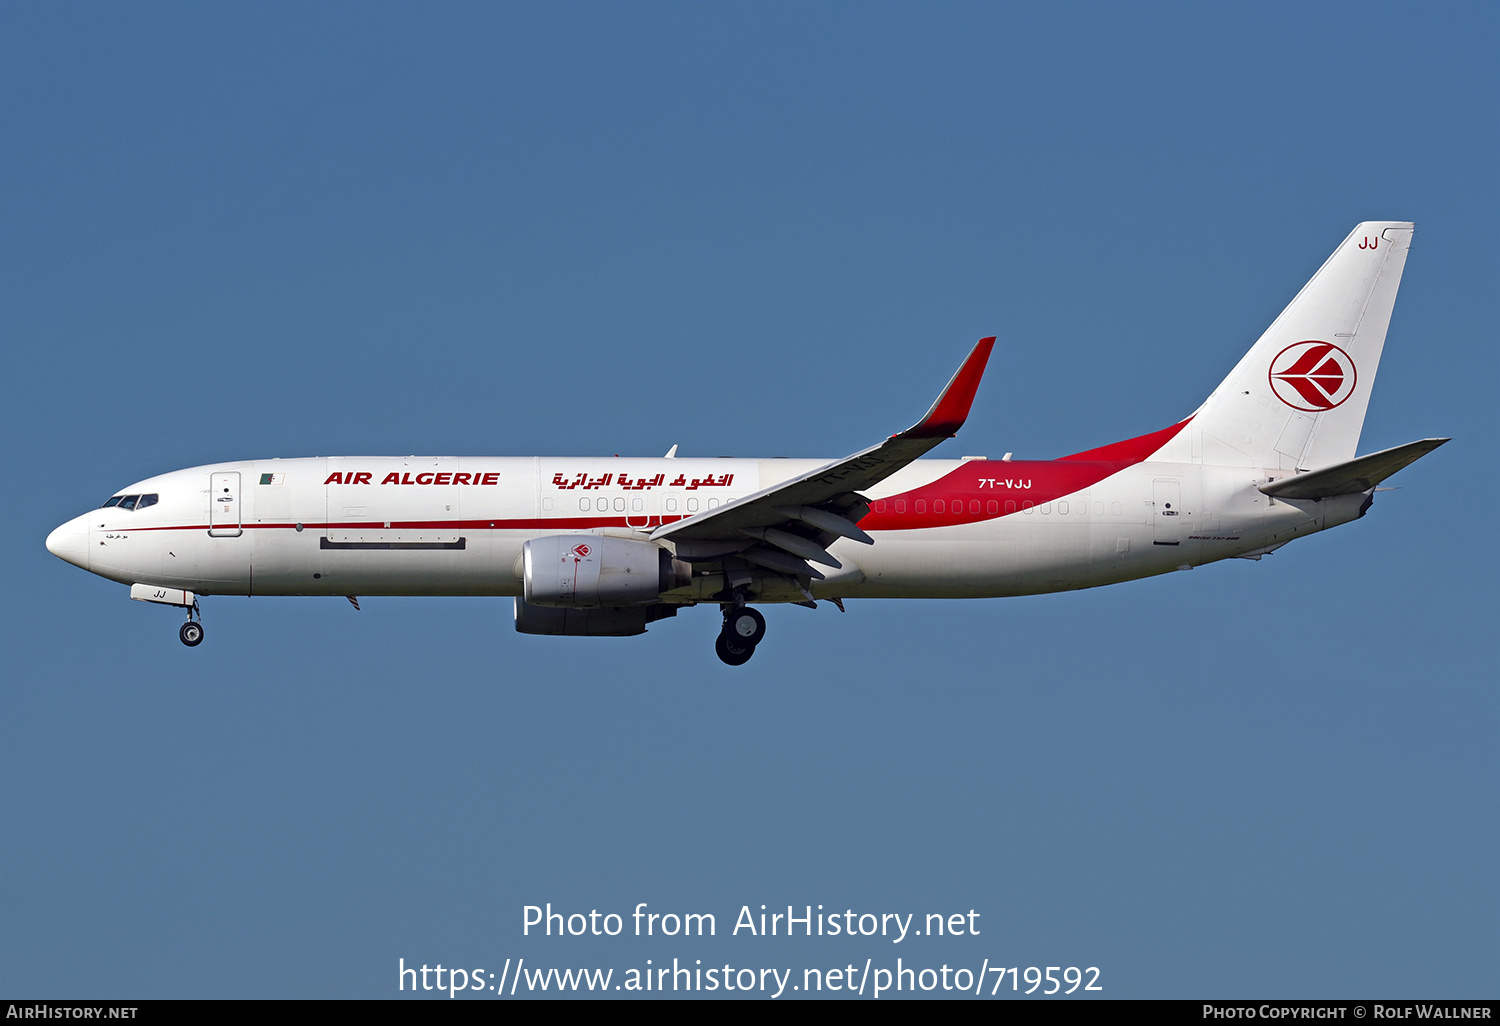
[131,501]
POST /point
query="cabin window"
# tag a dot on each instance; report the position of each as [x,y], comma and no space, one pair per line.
[973,505]
[671,504]
[1098,509]
[1062,507]
[1010,505]
[992,507]
[900,505]
[879,505]
[921,505]
[636,504]
[547,504]
[1027,506]
[692,505]
[620,504]
[713,503]
[1114,509]
[939,506]
[583,503]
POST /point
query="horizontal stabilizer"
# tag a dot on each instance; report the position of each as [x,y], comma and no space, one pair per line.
[1357,475]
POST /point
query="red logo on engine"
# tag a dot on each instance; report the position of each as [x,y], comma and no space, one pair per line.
[1313,376]
[582,549]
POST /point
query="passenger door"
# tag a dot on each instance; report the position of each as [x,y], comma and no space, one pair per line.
[1166,519]
[224,505]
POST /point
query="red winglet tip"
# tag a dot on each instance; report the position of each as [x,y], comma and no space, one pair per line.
[952,407]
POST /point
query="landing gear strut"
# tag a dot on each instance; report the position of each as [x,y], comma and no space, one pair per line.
[743,629]
[191,632]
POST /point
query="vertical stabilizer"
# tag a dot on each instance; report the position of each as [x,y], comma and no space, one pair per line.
[1298,398]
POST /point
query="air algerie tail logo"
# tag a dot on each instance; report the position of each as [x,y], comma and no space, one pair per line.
[1313,376]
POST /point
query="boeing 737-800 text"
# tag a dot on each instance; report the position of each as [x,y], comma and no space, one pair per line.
[605,546]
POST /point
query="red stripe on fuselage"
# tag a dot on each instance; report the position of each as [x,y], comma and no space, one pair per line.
[1132,450]
[1017,482]
[487,524]
[979,490]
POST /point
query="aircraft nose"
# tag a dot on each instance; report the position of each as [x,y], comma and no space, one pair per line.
[70,542]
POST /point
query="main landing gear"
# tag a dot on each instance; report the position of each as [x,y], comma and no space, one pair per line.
[743,629]
[191,632]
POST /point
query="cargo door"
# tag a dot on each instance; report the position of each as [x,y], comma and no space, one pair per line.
[376,503]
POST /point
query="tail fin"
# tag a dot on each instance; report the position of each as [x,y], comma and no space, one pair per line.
[1297,399]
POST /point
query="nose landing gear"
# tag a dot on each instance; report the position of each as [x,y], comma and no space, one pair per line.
[191,632]
[743,630]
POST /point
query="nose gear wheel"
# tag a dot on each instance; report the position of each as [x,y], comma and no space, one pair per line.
[191,632]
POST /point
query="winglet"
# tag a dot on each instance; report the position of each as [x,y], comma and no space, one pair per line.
[952,407]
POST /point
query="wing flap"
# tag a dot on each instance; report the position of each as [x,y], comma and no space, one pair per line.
[824,520]
[795,544]
[781,562]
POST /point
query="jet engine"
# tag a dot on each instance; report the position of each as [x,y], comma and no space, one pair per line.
[599,622]
[587,571]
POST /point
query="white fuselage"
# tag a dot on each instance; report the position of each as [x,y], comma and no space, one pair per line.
[456,525]
[602,547]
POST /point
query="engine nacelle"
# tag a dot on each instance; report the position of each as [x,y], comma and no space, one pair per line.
[586,571]
[607,622]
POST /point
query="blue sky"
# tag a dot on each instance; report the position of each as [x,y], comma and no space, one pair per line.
[240,231]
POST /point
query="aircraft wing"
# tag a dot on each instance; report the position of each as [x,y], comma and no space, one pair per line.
[782,527]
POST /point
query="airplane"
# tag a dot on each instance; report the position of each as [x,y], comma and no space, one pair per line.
[602,547]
